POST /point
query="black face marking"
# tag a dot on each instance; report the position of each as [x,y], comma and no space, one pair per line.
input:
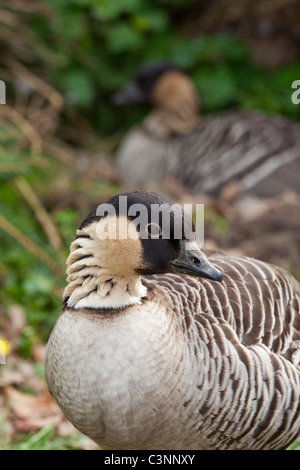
[157,255]
[159,250]
[147,76]
[153,230]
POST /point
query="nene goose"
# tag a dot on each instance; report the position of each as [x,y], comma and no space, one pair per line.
[261,153]
[158,347]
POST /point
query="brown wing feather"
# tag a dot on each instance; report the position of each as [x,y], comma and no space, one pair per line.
[259,301]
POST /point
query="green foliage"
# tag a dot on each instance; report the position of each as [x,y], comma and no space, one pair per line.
[95,47]
[46,439]
[295,445]
[25,279]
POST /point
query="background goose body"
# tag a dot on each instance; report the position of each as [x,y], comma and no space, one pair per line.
[261,153]
[142,159]
[191,364]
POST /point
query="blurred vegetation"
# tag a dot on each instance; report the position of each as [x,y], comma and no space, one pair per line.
[61,62]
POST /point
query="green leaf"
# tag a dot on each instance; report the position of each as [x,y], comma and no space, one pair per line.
[217,87]
[72,24]
[79,87]
[123,38]
[156,21]
[108,10]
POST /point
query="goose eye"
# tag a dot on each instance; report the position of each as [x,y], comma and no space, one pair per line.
[153,230]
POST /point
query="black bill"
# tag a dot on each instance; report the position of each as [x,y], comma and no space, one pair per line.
[130,94]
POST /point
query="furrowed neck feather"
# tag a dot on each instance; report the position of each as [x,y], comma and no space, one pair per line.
[91,285]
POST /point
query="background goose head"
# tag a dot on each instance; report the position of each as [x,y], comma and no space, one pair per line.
[172,94]
[133,234]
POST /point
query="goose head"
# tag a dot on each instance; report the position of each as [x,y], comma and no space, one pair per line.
[133,234]
[170,92]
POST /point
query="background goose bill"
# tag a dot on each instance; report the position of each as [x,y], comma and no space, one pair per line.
[194,262]
[130,94]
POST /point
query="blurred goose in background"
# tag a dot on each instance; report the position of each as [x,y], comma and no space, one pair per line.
[159,347]
[260,153]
